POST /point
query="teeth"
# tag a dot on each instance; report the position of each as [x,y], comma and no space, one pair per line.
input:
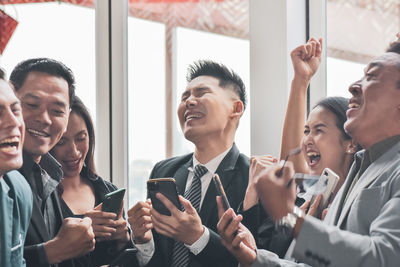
[37,132]
[312,154]
[8,149]
[192,116]
[354,105]
[10,140]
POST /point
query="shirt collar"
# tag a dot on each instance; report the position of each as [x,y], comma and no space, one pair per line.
[47,162]
[213,164]
[380,148]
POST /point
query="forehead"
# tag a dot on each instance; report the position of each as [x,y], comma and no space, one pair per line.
[387,61]
[40,85]
[76,122]
[7,95]
[203,81]
[320,115]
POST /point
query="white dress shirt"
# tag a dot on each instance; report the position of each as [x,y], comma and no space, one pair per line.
[146,250]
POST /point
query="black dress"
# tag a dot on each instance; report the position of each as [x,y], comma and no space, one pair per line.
[104,251]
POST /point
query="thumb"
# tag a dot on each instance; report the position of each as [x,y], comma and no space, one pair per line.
[187,205]
[98,207]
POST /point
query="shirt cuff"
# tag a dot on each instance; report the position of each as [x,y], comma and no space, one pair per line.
[42,255]
[200,243]
[145,251]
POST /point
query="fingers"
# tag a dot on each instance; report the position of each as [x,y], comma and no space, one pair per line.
[187,205]
[324,212]
[305,205]
[314,206]
[168,204]
[103,231]
[98,207]
[138,207]
[227,225]
[100,214]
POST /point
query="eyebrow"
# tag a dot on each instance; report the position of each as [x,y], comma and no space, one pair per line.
[196,90]
[320,125]
[35,97]
[372,65]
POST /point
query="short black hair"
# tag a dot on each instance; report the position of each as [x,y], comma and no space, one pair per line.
[46,65]
[2,74]
[226,77]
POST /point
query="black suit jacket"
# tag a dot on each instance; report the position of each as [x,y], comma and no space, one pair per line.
[234,174]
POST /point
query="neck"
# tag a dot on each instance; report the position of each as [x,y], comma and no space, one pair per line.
[36,158]
[209,149]
[72,182]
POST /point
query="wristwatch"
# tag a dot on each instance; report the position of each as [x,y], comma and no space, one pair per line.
[287,223]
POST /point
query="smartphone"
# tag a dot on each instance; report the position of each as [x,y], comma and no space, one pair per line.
[329,179]
[127,256]
[113,202]
[221,191]
[167,187]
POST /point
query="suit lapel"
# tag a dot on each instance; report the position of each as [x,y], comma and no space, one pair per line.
[181,176]
[7,205]
[225,171]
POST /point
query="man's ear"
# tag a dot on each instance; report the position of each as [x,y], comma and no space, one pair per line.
[351,147]
[238,108]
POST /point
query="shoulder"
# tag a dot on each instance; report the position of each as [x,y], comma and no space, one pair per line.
[103,185]
[171,164]
[19,183]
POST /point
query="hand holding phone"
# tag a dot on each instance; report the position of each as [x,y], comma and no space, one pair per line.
[113,202]
[167,187]
[329,179]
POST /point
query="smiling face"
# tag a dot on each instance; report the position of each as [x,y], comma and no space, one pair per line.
[45,105]
[374,113]
[73,147]
[206,109]
[11,129]
[323,145]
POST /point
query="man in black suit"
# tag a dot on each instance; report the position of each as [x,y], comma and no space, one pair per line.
[209,114]
[45,88]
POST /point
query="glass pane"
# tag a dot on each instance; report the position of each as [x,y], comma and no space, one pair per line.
[47,30]
[357,31]
[146,106]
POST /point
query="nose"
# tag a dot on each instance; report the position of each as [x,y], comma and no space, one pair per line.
[72,150]
[43,117]
[308,139]
[191,101]
[11,120]
[355,88]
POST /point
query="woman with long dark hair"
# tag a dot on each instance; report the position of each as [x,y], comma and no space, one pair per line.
[83,190]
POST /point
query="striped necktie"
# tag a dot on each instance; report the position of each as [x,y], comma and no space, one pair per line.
[180,253]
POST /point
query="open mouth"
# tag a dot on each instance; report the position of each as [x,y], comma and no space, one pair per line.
[192,116]
[354,105]
[9,144]
[72,163]
[37,133]
[314,158]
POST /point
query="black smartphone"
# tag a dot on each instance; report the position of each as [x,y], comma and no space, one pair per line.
[125,257]
[221,191]
[113,201]
[167,187]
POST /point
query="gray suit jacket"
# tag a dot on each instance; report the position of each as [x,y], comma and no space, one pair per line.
[364,231]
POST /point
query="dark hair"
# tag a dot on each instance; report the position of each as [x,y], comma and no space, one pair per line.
[338,106]
[46,65]
[394,47]
[225,76]
[2,74]
[80,109]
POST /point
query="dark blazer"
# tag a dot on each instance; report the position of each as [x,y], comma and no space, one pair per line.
[37,232]
[234,174]
[15,214]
